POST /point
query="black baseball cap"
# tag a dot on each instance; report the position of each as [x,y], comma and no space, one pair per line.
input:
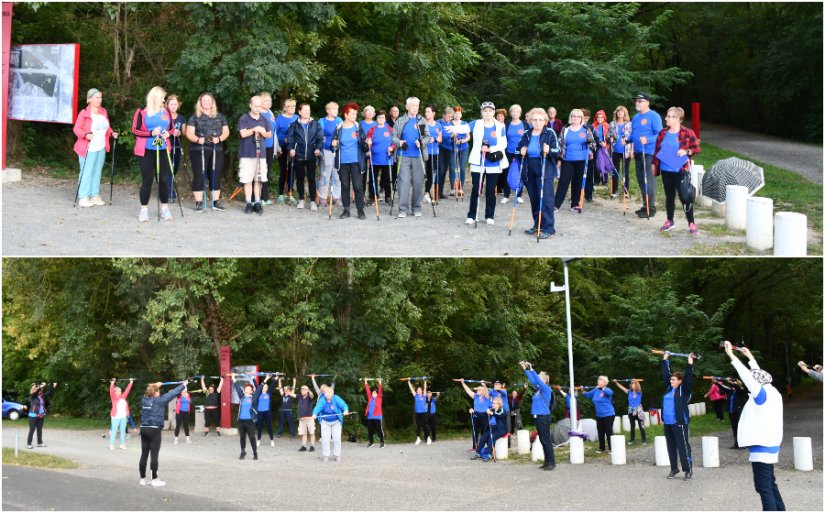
[642,96]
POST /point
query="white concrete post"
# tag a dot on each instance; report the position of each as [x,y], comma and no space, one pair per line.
[802,453]
[710,451]
[618,455]
[759,233]
[790,234]
[662,458]
[736,207]
[523,441]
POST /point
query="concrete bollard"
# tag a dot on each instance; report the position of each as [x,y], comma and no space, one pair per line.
[662,458]
[710,451]
[588,426]
[703,409]
[802,453]
[736,207]
[618,454]
[759,233]
[626,423]
[538,451]
[576,450]
[694,176]
[790,234]
[502,452]
[617,424]
[523,441]
[701,200]
[647,419]
[717,208]
[200,419]
[691,409]
[169,423]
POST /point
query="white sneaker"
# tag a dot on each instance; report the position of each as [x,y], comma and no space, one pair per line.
[85,203]
[313,207]
[97,200]
[429,441]
[301,204]
[144,215]
[427,198]
[165,214]
[188,440]
[418,214]
[143,482]
[123,447]
[338,458]
[418,441]
[176,440]
[520,199]
[111,447]
[326,459]
[272,443]
[470,220]
[402,215]
[504,201]
[491,221]
[158,482]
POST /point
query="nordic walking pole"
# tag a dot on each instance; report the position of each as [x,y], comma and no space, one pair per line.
[80,178]
[156,143]
[212,182]
[392,203]
[374,190]
[112,174]
[481,179]
[455,161]
[647,195]
[290,175]
[541,193]
[203,172]
[329,189]
[174,185]
[584,178]
[518,190]
[424,167]
[473,428]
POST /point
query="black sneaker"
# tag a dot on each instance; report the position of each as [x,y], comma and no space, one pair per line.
[219,433]
[255,456]
[206,434]
[641,212]
[382,445]
[344,214]
[531,231]
[199,206]
[258,208]
[672,474]
[548,467]
[688,475]
[248,209]
[302,449]
[370,445]
[362,215]
[644,212]
[217,205]
[311,448]
[243,455]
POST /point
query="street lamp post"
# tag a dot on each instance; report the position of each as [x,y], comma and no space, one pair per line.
[572,391]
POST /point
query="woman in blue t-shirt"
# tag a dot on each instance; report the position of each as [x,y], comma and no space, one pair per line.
[379,139]
[420,398]
[282,122]
[602,398]
[577,147]
[264,408]
[350,146]
[461,154]
[432,173]
[152,126]
[516,128]
[183,406]
[635,410]
[618,135]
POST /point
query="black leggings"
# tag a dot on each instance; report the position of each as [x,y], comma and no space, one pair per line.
[421,423]
[633,420]
[182,419]
[621,165]
[374,426]
[147,165]
[719,408]
[351,174]
[265,418]
[35,423]
[246,428]
[431,425]
[212,417]
[382,174]
[489,193]
[431,166]
[671,182]
[734,424]
[678,441]
[270,156]
[604,425]
[305,169]
[204,167]
[286,169]
[571,176]
[150,439]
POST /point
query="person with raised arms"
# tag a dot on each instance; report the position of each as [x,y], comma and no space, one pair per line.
[542,407]
[264,407]
[212,407]
[432,398]
[306,424]
[287,399]
[481,403]
[304,141]
[38,405]
[602,398]
[420,398]
[183,405]
[567,396]
[737,398]
[635,410]
[152,406]
[119,412]
[247,414]
[330,182]
[678,391]
[514,400]
[374,412]
[760,428]
[330,412]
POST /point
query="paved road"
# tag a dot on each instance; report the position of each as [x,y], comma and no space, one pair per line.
[804,159]
[408,477]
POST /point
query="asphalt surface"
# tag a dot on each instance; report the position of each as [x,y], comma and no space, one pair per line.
[208,475]
[35,227]
[803,159]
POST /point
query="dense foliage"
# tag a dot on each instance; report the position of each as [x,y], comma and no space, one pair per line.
[78,321]
[757,66]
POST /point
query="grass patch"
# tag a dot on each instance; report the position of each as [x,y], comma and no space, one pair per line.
[722,249]
[789,191]
[28,458]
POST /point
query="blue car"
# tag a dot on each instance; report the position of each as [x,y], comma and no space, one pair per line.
[12,410]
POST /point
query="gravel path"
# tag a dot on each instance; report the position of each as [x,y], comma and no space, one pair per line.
[408,477]
[33,226]
[804,159]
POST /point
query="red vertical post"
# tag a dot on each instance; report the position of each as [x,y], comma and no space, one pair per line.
[694,118]
[7,13]
[226,390]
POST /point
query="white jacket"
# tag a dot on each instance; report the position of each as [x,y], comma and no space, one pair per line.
[761,420]
[478,140]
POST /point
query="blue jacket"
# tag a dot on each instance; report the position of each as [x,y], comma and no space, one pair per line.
[305,142]
[255,396]
[340,407]
[543,399]
[682,394]
[152,407]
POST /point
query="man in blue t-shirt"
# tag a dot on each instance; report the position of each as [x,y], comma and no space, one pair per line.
[646,126]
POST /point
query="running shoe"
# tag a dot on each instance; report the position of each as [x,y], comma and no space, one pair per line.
[667,226]
[693,229]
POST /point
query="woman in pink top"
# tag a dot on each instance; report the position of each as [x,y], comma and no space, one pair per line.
[119,413]
[92,129]
[718,398]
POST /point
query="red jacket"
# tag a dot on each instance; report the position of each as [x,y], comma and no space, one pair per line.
[378,412]
[687,141]
[83,126]
[114,399]
[142,133]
